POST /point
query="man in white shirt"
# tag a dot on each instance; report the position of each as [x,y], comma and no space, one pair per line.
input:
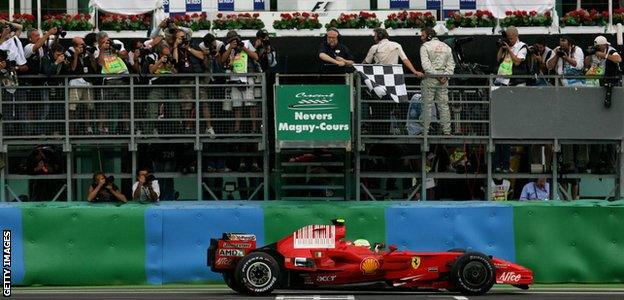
[568,61]
[512,57]
[386,52]
[146,188]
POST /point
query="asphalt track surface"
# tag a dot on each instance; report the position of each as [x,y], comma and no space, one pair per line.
[224,293]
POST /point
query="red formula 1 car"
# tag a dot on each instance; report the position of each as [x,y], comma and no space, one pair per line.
[317,256]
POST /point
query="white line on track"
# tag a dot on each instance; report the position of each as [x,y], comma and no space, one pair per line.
[316,297]
[460,298]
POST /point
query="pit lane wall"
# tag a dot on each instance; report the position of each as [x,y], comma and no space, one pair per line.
[81,244]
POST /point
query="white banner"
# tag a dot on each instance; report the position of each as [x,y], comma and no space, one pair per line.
[499,7]
[126,7]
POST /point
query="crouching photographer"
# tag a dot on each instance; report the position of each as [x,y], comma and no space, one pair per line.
[103,189]
[146,187]
[603,61]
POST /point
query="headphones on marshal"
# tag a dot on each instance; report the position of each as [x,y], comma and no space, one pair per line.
[334,29]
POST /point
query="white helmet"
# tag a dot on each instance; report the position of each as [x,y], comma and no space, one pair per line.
[361,243]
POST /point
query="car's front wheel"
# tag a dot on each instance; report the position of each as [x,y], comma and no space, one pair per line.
[473,273]
[257,274]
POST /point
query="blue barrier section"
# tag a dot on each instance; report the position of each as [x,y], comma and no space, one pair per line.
[478,226]
[154,245]
[185,237]
[11,219]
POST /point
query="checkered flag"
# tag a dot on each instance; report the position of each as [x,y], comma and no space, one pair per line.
[384,80]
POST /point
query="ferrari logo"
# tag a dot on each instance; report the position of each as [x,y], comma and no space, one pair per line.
[369,265]
[415,262]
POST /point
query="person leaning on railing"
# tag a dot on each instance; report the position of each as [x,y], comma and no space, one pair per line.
[333,54]
[146,187]
[103,189]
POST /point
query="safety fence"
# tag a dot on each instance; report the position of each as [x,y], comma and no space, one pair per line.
[361,147]
[81,244]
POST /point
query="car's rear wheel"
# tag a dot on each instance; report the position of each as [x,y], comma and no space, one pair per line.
[257,274]
[473,273]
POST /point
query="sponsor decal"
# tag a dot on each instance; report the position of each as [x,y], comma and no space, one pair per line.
[223,261]
[415,262]
[231,252]
[395,4]
[432,269]
[315,237]
[369,265]
[501,266]
[509,277]
[240,237]
[326,278]
[236,245]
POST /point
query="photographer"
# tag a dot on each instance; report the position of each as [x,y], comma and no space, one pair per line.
[602,60]
[82,62]
[568,61]
[146,188]
[111,55]
[540,54]
[512,54]
[188,60]
[238,57]
[55,64]
[103,189]
[210,46]
[10,42]
[159,62]
[136,56]
[267,57]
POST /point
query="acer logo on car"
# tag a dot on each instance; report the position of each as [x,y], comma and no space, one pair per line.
[510,276]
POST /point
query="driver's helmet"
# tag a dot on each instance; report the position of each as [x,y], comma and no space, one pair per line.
[361,243]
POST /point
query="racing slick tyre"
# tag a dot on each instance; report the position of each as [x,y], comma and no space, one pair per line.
[473,274]
[230,281]
[257,274]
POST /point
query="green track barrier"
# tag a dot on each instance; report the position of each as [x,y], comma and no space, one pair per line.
[571,242]
[364,219]
[73,244]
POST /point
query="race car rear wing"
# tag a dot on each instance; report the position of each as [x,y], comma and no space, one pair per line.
[224,253]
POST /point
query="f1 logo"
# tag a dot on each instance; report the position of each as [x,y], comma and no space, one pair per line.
[321,6]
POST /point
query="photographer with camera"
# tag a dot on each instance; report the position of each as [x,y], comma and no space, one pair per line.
[146,187]
[10,42]
[512,56]
[210,46]
[103,189]
[540,54]
[602,60]
[568,61]
[54,64]
[111,56]
[82,62]
[159,62]
[188,60]
[239,57]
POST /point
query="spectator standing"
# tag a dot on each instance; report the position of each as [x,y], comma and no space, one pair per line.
[568,61]
[103,189]
[81,62]
[146,187]
[160,62]
[239,57]
[111,55]
[210,47]
[437,59]
[540,57]
[54,64]
[12,62]
[512,55]
[187,61]
[603,62]
[499,189]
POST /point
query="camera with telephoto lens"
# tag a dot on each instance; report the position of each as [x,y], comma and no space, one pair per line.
[171,27]
[110,180]
[502,40]
[561,53]
[185,42]
[60,32]
[150,178]
[591,50]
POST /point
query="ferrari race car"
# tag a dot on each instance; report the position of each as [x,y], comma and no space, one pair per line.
[318,256]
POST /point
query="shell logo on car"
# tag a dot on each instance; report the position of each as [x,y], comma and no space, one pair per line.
[369,265]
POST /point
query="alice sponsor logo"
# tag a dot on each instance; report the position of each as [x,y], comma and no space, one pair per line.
[236,245]
[509,277]
[6,263]
[231,252]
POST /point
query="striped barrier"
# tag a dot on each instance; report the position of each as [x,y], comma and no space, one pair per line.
[82,244]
